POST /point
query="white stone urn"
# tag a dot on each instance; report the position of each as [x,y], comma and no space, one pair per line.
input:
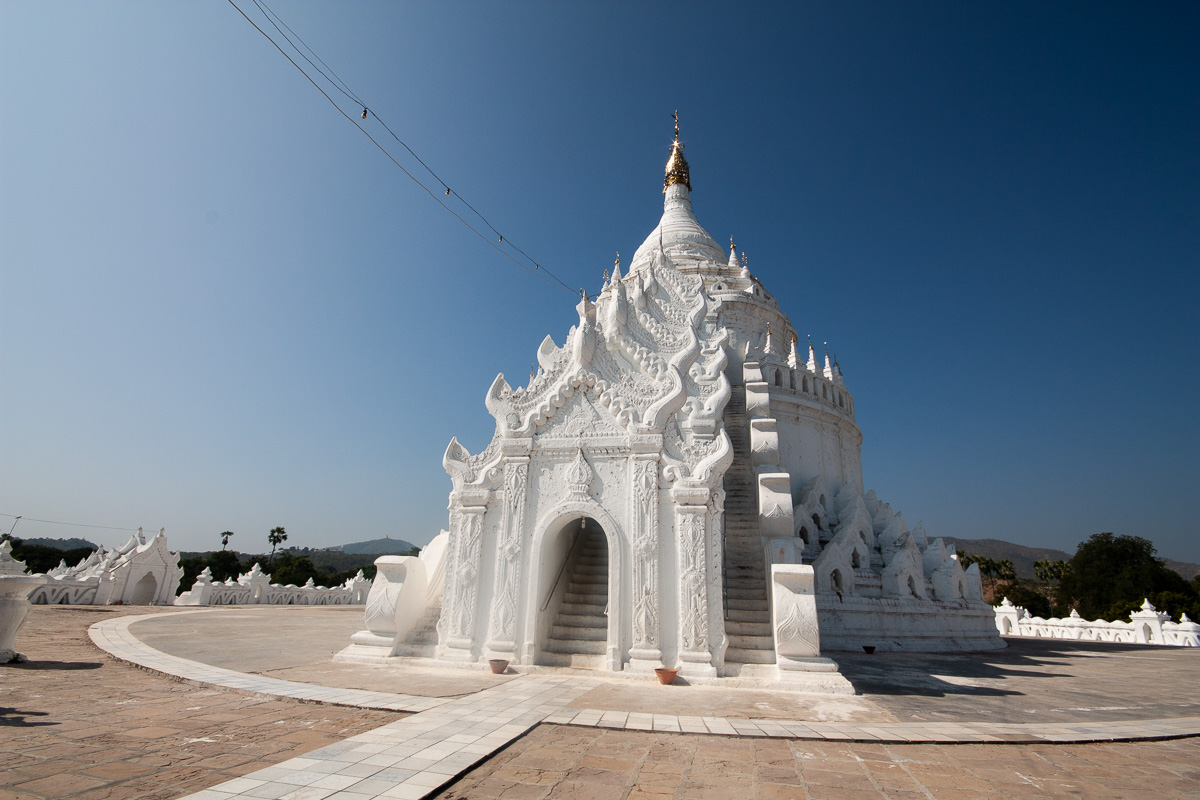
[15,585]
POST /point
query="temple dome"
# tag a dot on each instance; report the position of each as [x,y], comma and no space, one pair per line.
[679,234]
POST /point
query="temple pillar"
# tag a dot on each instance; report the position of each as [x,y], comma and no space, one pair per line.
[646,653]
[507,578]
[456,629]
[691,526]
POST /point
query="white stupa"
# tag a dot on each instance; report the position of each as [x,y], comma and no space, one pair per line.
[675,486]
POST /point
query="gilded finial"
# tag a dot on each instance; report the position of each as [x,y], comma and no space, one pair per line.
[677,166]
[617,263]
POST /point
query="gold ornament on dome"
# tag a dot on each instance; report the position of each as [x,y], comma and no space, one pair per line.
[677,166]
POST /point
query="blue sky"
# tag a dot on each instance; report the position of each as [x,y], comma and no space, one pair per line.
[223,308]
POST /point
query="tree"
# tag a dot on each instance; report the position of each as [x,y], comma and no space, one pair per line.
[1111,575]
[276,537]
[225,539]
[1050,574]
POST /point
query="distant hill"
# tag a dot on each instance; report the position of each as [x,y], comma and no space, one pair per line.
[1023,557]
[60,544]
[379,547]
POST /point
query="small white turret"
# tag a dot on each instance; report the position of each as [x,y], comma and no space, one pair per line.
[811,366]
[733,255]
[793,359]
[828,371]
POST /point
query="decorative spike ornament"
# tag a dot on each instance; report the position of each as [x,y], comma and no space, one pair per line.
[677,166]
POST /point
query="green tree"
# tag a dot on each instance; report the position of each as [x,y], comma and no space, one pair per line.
[224,565]
[1110,575]
[1049,575]
[276,537]
[225,539]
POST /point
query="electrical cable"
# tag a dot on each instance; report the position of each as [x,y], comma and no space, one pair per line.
[538,270]
[72,524]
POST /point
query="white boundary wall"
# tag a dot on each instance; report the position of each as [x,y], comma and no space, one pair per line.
[1146,626]
[255,588]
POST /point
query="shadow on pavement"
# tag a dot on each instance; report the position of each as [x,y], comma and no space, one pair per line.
[13,718]
[55,665]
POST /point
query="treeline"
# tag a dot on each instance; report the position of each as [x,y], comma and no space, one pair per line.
[40,558]
[1108,578]
[285,568]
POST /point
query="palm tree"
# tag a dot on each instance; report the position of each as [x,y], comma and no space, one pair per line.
[225,538]
[276,537]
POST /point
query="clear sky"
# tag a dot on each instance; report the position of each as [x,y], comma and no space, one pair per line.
[222,308]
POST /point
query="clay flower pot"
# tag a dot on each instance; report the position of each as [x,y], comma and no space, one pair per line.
[666,675]
[498,665]
[868,649]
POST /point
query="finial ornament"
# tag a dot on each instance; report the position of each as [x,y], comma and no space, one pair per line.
[677,166]
[617,263]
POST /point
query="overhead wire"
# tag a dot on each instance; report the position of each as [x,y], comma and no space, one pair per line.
[537,271]
[72,524]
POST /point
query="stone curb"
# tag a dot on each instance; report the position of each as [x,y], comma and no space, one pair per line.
[113,636]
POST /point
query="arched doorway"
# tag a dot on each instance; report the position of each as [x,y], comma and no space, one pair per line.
[574,609]
[143,591]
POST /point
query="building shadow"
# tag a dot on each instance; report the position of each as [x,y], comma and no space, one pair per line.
[54,665]
[14,718]
[973,673]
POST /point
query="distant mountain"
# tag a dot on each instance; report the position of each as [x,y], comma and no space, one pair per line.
[1185,569]
[1023,557]
[379,547]
[60,544]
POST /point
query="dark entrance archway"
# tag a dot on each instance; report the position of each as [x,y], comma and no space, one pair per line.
[574,632]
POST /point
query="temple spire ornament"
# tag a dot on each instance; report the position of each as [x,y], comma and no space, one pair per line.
[677,166]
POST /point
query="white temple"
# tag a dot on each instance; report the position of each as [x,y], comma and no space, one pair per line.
[139,572]
[678,486]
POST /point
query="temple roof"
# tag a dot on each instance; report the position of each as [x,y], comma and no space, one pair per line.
[679,235]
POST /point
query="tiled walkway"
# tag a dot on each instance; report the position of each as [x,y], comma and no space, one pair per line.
[414,757]
[114,637]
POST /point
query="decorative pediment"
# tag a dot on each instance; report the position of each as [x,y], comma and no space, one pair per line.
[579,418]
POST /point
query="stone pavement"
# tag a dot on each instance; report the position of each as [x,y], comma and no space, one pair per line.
[597,764]
[74,723]
[443,745]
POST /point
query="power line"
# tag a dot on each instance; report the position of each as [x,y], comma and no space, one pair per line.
[72,524]
[537,271]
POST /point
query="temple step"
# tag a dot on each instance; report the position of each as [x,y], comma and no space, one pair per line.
[737,655]
[573,660]
[579,636]
[568,646]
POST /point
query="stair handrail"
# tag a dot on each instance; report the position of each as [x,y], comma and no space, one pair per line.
[561,570]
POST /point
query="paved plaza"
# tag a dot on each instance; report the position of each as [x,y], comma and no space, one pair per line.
[249,714]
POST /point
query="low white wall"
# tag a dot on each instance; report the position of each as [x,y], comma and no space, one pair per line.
[1146,626]
[255,588]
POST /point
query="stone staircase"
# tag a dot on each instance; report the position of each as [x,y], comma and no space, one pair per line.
[747,612]
[421,641]
[580,633]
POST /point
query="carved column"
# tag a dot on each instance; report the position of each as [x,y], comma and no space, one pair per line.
[691,526]
[507,582]
[457,626]
[647,649]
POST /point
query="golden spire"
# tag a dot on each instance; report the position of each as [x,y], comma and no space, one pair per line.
[677,166]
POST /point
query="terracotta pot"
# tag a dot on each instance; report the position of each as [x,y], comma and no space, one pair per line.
[868,649]
[498,665]
[666,675]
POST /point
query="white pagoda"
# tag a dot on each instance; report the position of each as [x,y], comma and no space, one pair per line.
[677,485]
